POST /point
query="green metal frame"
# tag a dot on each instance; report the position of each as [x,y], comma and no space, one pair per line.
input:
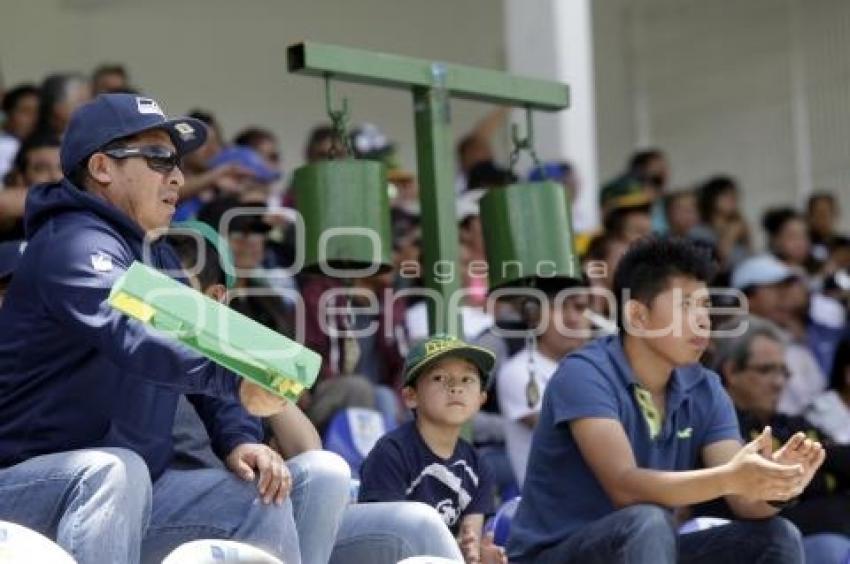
[432,84]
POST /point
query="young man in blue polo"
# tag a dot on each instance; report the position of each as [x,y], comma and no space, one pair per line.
[632,427]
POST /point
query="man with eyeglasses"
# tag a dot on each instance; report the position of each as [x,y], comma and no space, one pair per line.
[87,395]
[754,371]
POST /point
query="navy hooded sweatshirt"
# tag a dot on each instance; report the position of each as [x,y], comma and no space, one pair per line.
[75,373]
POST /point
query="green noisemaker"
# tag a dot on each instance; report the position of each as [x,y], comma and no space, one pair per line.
[346,209]
[226,337]
[528,233]
[346,214]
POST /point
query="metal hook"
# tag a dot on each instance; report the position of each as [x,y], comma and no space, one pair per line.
[339,118]
[335,115]
[523,143]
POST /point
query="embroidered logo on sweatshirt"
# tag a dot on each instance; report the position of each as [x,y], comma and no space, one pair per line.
[101,262]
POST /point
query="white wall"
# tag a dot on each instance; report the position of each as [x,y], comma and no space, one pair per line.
[230,57]
[758,89]
[551,39]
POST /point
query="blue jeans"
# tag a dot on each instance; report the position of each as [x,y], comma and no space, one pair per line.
[385,533]
[827,548]
[378,533]
[646,534]
[320,493]
[100,506]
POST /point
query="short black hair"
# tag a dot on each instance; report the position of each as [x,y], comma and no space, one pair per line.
[189,252]
[775,219]
[13,96]
[110,68]
[319,135]
[488,174]
[711,191]
[817,197]
[599,247]
[840,365]
[615,220]
[209,119]
[640,159]
[32,143]
[649,264]
[253,136]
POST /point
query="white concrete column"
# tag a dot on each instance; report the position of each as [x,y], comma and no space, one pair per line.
[553,39]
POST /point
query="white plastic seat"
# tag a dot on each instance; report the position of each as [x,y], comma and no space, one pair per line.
[216,551]
[20,545]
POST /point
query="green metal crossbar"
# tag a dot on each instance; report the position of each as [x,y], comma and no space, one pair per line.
[432,83]
[382,69]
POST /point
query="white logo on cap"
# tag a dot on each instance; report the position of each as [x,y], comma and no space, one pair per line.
[148,106]
[185,130]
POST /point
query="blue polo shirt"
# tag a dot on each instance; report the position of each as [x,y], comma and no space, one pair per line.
[561,494]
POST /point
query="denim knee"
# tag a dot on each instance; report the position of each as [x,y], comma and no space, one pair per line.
[647,518]
[324,466]
[420,523]
[783,537]
[119,472]
[323,469]
[648,521]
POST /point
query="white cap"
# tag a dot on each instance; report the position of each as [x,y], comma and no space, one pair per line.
[760,270]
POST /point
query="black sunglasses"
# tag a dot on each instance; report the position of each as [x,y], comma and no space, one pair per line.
[158,158]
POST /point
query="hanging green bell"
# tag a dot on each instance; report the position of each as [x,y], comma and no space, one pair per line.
[528,234]
[345,208]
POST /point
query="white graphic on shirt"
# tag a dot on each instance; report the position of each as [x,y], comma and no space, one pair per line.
[101,262]
[448,512]
[442,474]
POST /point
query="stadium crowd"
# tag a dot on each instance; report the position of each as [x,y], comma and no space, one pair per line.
[178,453]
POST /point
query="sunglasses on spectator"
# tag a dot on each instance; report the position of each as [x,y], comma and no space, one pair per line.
[159,159]
[770,370]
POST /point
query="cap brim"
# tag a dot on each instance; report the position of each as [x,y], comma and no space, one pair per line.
[637,200]
[187,134]
[479,356]
[761,280]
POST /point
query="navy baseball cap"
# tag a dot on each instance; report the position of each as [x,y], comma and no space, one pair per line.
[112,116]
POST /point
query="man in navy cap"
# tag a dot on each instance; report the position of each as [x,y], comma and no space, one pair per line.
[87,395]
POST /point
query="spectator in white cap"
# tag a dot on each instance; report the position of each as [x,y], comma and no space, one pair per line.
[770,287]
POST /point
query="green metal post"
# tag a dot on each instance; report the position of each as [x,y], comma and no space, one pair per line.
[437,199]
